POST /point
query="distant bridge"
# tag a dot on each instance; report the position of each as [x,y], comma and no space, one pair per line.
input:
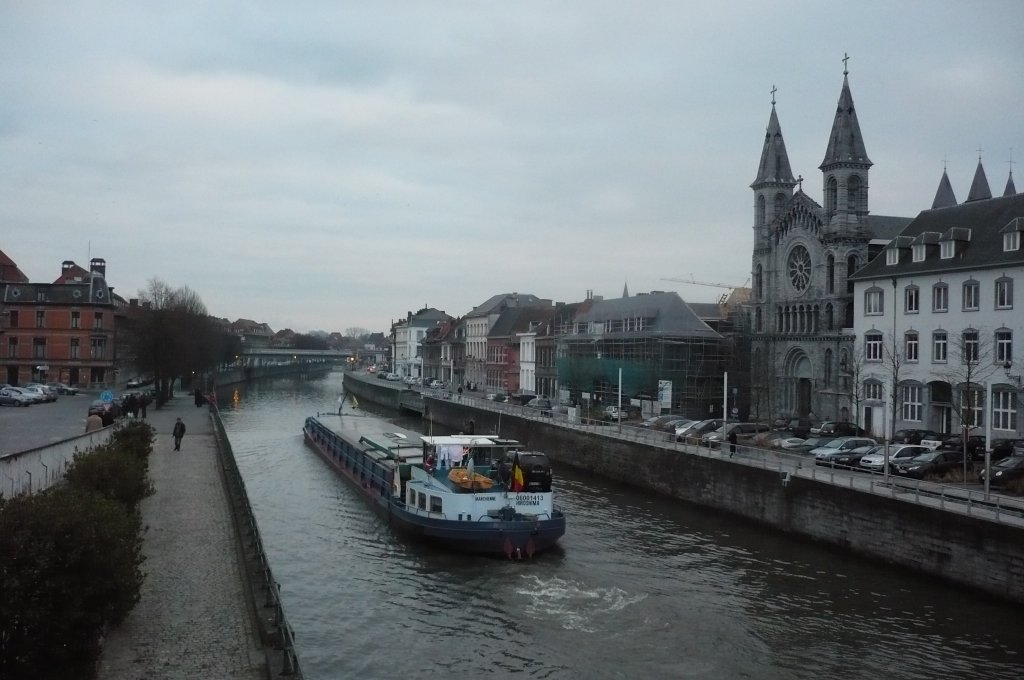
[273,356]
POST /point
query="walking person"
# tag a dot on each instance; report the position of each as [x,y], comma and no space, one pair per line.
[178,432]
[732,442]
[341,400]
[143,403]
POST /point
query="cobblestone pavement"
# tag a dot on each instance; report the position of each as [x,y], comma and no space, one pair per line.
[193,620]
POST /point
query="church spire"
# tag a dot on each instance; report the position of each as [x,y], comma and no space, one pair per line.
[774,166]
[625,290]
[1010,189]
[979,187]
[845,144]
[944,197]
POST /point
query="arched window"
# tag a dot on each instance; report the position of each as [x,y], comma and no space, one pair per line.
[830,273]
[757,319]
[831,194]
[851,266]
[760,209]
[828,368]
[830,322]
[853,190]
[759,282]
[780,204]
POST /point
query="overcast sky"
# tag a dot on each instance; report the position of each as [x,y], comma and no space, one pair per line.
[326,165]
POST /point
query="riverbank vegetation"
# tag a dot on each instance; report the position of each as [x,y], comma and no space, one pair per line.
[71,560]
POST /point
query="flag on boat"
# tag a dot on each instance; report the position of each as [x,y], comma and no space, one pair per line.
[518,484]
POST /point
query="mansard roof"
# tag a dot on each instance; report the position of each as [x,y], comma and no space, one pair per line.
[944,196]
[665,314]
[91,291]
[977,227]
[498,302]
[774,167]
[845,144]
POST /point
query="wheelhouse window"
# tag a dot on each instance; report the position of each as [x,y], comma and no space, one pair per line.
[971,295]
[912,300]
[940,297]
[912,403]
[874,302]
[1004,345]
[435,504]
[873,346]
[1004,293]
[940,347]
[911,346]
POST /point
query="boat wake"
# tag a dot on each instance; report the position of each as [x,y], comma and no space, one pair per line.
[572,604]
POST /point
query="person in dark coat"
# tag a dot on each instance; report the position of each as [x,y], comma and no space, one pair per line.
[200,399]
[178,432]
[732,442]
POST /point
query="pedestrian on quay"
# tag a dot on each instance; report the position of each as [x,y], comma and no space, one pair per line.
[732,441]
[341,400]
[93,423]
[178,432]
[143,403]
[199,399]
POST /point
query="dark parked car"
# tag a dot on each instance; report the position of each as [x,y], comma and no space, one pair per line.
[930,464]
[1005,471]
[542,404]
[812,443]
[840,429]
[975,445]
[695,432]
[801,427]
[914,436]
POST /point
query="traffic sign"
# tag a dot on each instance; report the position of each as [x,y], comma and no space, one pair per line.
[107,396]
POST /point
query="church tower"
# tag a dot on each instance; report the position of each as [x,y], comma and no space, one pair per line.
[845,170]
[773,186]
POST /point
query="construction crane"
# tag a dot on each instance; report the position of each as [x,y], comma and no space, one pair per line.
[694,282]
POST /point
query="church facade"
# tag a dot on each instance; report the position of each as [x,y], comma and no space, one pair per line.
[803,356]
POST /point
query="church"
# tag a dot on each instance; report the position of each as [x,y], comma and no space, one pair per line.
[803,352]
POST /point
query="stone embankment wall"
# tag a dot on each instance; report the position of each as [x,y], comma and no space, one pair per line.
[967,550]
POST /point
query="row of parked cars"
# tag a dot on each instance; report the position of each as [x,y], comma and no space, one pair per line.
[33,393]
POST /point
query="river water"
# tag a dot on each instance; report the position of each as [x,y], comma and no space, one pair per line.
[641,586]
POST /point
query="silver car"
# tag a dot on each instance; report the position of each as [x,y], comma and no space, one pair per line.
[898,453]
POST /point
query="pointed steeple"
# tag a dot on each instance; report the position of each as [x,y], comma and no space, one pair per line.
[1010,190]
[625,290]
[845,144]
[944,197]
[774,166]
[979,187]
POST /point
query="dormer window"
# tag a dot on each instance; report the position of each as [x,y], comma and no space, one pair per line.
[918,252]
[947,249]
[892,256]
[1011,241]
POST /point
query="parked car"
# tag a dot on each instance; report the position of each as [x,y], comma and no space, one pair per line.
[63,388]
[898,453]
[1004,448]
[1005,471]
[666,422]
[744,433]
[841,446]
[788,443]
[542,404]
[810,444]
[12,396]
[48,395]
[35,397]
[846,458]
[913,436]
[393,377]
[801,427]
[929,464]
[840,429]
[614,413]
[975,445]
[696,431]
[434,383]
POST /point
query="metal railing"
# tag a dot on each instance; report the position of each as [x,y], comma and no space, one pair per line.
[275,631]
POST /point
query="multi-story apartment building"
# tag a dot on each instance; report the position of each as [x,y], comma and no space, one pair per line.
[62,331]
[478,325]
[936,320]
[406,338]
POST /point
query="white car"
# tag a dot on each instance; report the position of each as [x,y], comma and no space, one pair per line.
[898,453]
[840,444]
[393,377]
[14,397]
[790,442]
[32,397]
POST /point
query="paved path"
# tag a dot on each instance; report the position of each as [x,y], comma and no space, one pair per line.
[193,620]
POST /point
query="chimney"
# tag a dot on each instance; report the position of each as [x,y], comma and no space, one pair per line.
[66,265]
[98,265]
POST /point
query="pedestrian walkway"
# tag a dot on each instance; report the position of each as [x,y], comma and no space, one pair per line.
[194,619]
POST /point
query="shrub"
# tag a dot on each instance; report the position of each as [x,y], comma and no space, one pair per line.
[70,562]
[135,437]
[114,472]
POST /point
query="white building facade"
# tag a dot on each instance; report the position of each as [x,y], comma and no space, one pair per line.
[937,323]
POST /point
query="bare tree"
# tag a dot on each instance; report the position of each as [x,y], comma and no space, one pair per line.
[852,379]
[970,365]
[763,375]
[894,358]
